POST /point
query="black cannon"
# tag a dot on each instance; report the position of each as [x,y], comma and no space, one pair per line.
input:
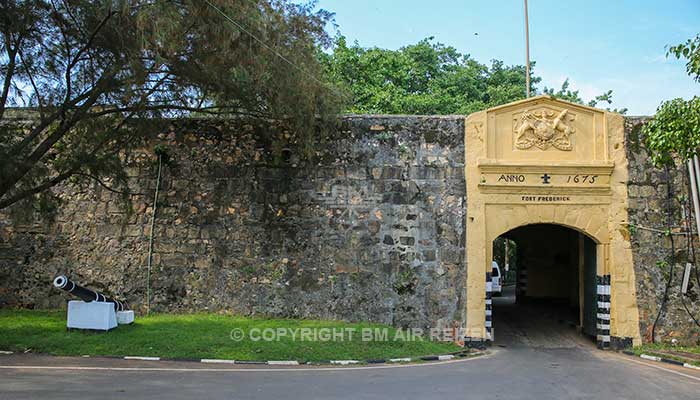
[85,294]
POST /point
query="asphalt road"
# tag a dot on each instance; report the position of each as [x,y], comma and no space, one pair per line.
[534,324]
[522,365]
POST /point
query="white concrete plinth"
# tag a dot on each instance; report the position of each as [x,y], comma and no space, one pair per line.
[125,317]
[94,315]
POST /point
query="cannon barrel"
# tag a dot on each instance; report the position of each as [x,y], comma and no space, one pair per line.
[85,294]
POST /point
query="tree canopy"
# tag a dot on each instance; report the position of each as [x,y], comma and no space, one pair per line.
[431,78]
[675,129]
[96,71]
[690,51]
[565,93]
[423,78]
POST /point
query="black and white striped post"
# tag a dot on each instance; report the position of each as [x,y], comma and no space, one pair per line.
[603,316]
[489,309]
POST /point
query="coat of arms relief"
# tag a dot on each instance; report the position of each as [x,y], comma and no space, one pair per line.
[544,128]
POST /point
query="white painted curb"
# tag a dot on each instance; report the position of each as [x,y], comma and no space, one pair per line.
[399,360]
[668,361]
[445,357]
[344,362]
[691,366]
[216,361]
[648,357]
[288,362]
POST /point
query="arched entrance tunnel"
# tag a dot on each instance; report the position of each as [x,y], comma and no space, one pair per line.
[562,200]
[548,295]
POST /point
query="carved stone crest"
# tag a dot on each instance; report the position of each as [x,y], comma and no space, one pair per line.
[543,129]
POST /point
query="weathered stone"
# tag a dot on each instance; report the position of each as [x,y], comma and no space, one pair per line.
[649,218]
[365,232]
[407,240]
[373,226]
[429,255]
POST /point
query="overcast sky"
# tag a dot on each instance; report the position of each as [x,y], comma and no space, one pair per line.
[598,45]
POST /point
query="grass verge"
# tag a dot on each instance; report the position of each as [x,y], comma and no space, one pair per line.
[686,354]
[205,336]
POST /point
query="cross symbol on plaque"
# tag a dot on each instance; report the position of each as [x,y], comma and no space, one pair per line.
[545,179]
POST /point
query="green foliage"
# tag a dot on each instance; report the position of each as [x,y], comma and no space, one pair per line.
[163,153]
[424,78]
[200,336]
[405,282]
[690,50]
[565,93]
[430,78]
[384,136]
[499,253]
[674,131]
[671,351]
[98,73]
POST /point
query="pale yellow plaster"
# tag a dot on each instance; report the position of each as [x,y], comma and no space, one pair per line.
[581,150]
[624,314]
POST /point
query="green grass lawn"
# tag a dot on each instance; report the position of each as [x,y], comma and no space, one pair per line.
[200,336]
[670,351]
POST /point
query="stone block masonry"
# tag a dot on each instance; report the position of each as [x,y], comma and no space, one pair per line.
[651,248]
[372,230]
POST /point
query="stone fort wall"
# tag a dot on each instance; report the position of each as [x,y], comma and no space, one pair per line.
[372,230]
[649,211]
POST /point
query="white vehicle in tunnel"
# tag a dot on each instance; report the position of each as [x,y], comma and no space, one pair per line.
[496,279]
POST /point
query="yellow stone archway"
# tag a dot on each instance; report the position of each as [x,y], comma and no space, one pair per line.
[543,160]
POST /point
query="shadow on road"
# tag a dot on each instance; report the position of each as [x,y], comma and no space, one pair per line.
[538,324]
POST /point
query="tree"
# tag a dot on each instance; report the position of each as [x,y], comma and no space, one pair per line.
[564,93]
[675,129]
[430,78]
[96,72]
[690,50]
[424,78]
